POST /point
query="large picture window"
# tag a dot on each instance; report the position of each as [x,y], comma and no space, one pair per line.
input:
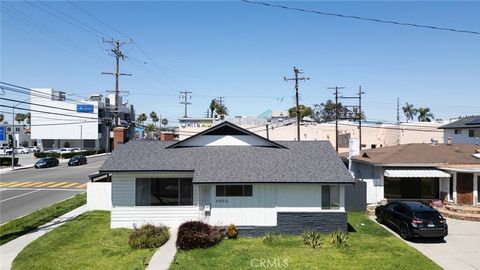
[164,191]
[330,197]
[233,191]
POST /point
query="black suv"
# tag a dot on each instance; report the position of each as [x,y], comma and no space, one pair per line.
[77,160]
[413,219]
[46,162]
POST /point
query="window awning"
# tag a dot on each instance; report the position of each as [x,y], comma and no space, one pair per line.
[415,173]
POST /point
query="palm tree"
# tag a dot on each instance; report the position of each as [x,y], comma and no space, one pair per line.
[221,110]
[29,119]
[2,117]
[424,115]
[142,118]
[409,111]
[212,107]
[20,117]
[164,122]
[154,117]
[150,128]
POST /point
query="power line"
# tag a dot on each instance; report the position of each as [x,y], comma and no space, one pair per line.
[363,18]
[296,79]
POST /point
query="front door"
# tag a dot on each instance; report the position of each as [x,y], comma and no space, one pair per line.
[465,188]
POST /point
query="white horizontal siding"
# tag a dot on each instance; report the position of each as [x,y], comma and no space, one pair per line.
[129,217]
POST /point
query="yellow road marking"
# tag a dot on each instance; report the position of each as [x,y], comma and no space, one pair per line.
[32,184]
[81,186]
[44,184]
[4,184]
[59,184]
[20,184]
[69,185]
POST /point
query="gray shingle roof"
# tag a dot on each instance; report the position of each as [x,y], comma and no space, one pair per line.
[309,161]
[466,122]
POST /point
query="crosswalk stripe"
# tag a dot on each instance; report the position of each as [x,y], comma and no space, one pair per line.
[45,184]
[69,185]
[59,184]
[31,184]
[20,184]
[4,184]
[81,186]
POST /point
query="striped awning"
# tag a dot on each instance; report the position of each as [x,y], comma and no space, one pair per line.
[415,173]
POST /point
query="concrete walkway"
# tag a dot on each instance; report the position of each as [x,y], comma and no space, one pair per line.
[10,250]
[164,256]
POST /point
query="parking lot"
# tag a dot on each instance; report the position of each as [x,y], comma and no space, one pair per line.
[460,250]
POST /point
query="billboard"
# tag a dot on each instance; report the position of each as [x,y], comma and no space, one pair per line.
[85,108]
[2,133]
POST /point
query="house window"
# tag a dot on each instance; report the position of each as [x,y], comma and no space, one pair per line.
[474,133]
[450,188]
[330,197]
[373,146]
[234,190]
[163,191]
[458,131]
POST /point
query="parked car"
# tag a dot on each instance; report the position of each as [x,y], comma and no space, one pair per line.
[22,150]
[413,219]
[76,149]
[34,149]
[77,160]
[46,162]
[5,150]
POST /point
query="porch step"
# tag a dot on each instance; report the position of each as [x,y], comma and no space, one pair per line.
[463,209]
[458,215]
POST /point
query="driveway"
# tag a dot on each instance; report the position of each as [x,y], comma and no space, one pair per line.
[460,250]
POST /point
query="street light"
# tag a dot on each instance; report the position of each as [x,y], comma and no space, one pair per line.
[13,131]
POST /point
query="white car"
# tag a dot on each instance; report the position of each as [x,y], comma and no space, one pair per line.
[34,149]
[64,150]
[22,150]
[5,150]
[76,149]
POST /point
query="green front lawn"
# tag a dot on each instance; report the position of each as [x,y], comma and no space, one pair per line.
[372,247]
[86,242]
[30,222]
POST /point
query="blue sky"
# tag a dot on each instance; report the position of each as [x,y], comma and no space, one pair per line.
[242,51]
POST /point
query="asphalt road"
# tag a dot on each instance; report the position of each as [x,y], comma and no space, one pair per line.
[18,201]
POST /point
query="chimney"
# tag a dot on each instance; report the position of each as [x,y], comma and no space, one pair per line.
[166,136]
[119,136]
[449,141]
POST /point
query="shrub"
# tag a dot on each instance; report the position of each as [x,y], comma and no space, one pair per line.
[45,154]
[269,239]
[196,234]
[231,231]
[339,238]
[7,161]
[149,236]
[66,144]
[312,239]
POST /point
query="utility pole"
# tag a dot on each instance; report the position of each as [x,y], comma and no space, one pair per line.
[266,126]
[297,71]
[336,88]
[118,54]
[359,115]
[185,95]
[398,110]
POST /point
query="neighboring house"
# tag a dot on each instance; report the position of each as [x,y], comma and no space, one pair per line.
[465,130]
[226,175]
[421,172]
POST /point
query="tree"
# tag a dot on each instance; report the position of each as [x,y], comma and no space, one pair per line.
[20,117]
[2,117]
[424,115]
[325,112]
[212,107]
[142,118]
[154,117]
[409,111]
[164,122]
[66,144]
[304,111]
[221,109]
[150,128]
[28,116]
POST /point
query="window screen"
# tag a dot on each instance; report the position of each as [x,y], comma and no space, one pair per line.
[234,190]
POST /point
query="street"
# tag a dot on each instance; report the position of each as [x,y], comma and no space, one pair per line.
[24,191]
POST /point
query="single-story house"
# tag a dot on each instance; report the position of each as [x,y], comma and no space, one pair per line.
[227,174]
[449,172]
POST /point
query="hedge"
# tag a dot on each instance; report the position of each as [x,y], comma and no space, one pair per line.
[7,161]
[68,155]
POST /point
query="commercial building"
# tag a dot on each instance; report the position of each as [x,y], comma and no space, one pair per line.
[58,121]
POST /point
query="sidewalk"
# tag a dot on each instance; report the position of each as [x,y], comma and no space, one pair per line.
[60,160]
[10,250]
[165,254]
